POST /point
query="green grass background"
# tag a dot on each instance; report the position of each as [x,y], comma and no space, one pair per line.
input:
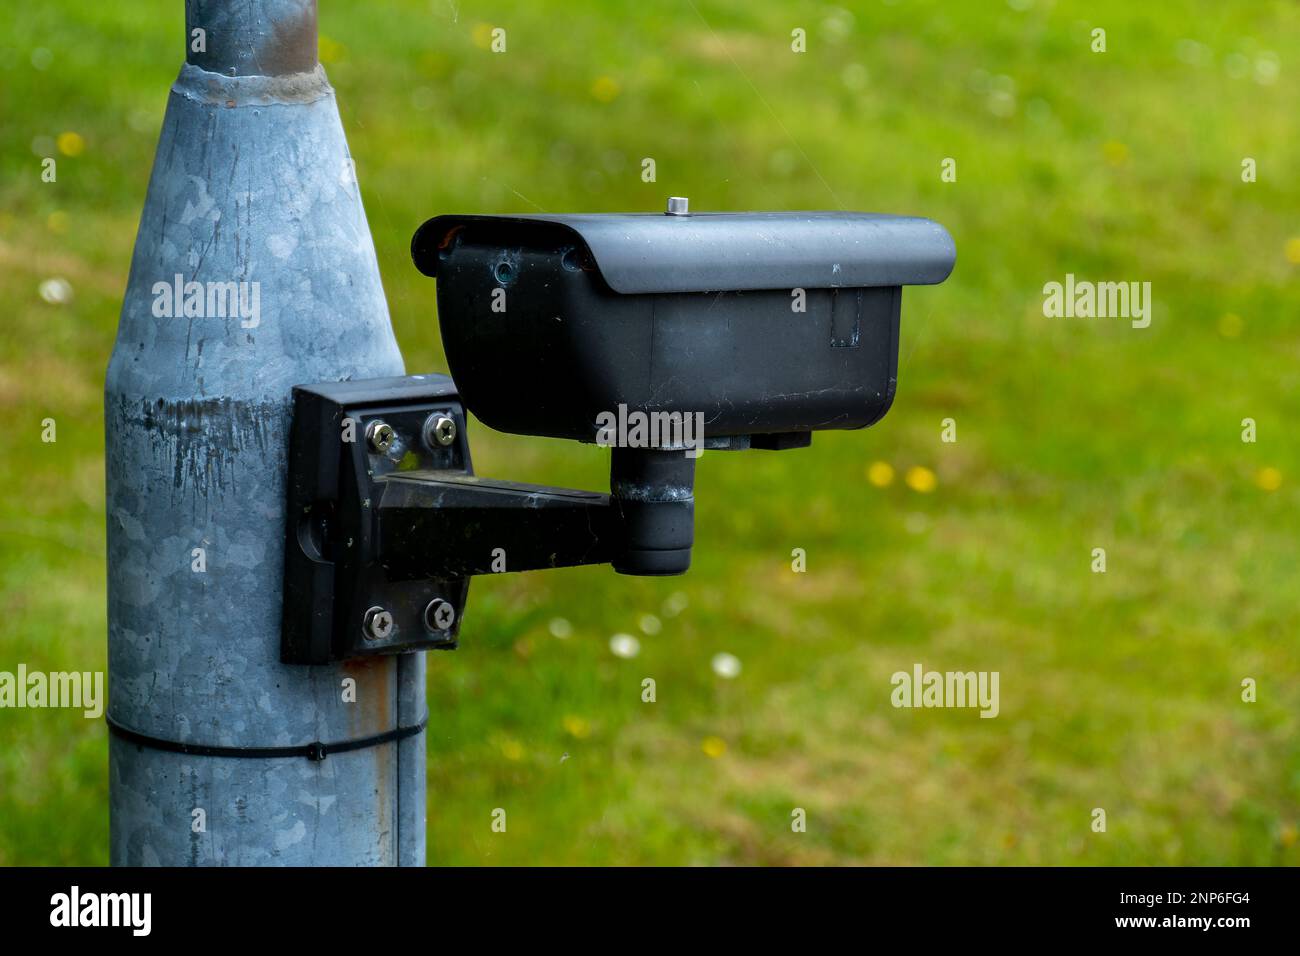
[1118,690]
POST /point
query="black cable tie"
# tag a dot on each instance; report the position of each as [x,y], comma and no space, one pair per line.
[312,751]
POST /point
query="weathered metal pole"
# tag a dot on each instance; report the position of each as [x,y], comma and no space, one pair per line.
[253,271]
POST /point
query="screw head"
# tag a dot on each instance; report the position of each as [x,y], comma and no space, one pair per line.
[439,430]
[377,624]
[380,436]
[439,616]
[678,206]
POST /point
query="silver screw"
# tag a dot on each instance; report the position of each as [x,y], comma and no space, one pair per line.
[378,624]
[439,430]
[380,436]
[439,615]
[678,206]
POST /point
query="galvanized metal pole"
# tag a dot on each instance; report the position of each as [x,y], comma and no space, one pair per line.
[253,271]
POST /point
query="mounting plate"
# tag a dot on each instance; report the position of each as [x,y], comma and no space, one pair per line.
[337,480]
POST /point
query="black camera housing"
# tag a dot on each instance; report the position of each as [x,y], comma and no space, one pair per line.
[766,323]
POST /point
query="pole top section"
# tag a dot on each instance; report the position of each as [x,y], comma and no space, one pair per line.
[252,37]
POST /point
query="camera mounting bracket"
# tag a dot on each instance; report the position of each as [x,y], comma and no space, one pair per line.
[388,521]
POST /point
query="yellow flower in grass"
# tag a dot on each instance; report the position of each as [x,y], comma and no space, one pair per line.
[714,747]
[880,474]
[921,479]
[605,89]
[1269,478]
[577,726]
[71,144]
[511,749]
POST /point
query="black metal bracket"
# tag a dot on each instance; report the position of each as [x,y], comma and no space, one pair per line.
[348,440]
[387,521]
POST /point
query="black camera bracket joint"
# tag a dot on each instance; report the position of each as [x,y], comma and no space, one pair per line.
[387,521]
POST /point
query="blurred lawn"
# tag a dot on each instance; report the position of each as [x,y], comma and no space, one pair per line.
[1119,691]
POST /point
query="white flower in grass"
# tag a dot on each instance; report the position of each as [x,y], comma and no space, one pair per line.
[726,666]
[675,604]
[625,646]
[56,291]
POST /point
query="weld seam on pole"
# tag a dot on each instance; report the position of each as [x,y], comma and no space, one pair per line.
[312,751]
[198,84]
